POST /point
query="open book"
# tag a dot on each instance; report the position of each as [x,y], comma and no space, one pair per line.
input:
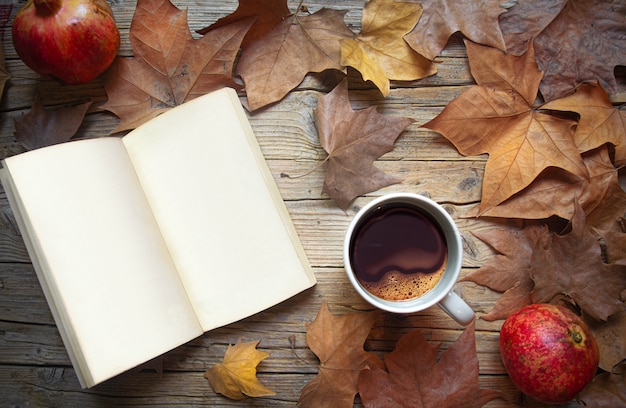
[143,243]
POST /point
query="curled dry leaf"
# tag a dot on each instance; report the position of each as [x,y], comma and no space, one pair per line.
[235,377]
[414,377]
[497,117]
[575,40]
[277,63]
[606,390]
[611,340]
[477,20]
[379,52]
[338,343]
[170,67]
[353,141]
[40,127]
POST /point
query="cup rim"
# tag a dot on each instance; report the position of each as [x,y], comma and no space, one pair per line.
[453,241]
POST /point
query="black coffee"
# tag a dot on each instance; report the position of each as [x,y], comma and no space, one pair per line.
[398,252]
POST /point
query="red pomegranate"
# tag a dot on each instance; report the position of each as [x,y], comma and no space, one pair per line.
[549,352]
[72,41]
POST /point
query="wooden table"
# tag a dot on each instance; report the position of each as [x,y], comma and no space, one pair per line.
[34,366]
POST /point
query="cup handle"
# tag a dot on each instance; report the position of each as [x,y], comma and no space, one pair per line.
[456,307]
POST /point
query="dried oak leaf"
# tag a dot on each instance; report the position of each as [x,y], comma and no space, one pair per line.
[40,127]
[477,20]
[353,141]
[170,67]
[277,63]
[416,379]
[267,14]
[571,265]
[554,192]
[508,270]
[235,377]
[606,390]
[338,343]
[574,40]
[379,52]
[497,117]
[600,122]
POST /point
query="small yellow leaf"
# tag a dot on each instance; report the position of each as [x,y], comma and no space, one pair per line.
[235,377]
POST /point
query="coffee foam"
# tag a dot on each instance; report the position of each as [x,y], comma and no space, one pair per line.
[396,286]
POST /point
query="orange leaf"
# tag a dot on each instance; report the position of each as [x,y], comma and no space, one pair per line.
[278,62]
[599,122]
[338,342]
[497,117]
[235,377]
[354,140]
[170,66]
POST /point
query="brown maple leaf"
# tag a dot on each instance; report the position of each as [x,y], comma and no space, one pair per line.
[497,117]
[40,127]
[477,20]
[338,343]
[600,122]
[416,379]
[267,14]
[277,63]
[170,67]
[575,40]
[571,265]
[508,271]
[379,52]
[353,141]
[235,377]
[554,192]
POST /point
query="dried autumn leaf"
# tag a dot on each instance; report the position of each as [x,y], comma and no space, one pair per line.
[416,379]
[571,265]
[170,66]
[615,245]
[379,52]
[611,340]
[338,343]
[554,192]
[497,117]
[508,271]
[477,20]
[599,123]
[40,127]
[606,390]
[4,74]
[574,40]
[267,15]
[353,141]
[236,377]
[277,63]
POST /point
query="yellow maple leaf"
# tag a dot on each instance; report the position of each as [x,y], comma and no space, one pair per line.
[380,52]
[235,377]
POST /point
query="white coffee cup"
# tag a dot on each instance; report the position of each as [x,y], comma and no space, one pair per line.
[441,294]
